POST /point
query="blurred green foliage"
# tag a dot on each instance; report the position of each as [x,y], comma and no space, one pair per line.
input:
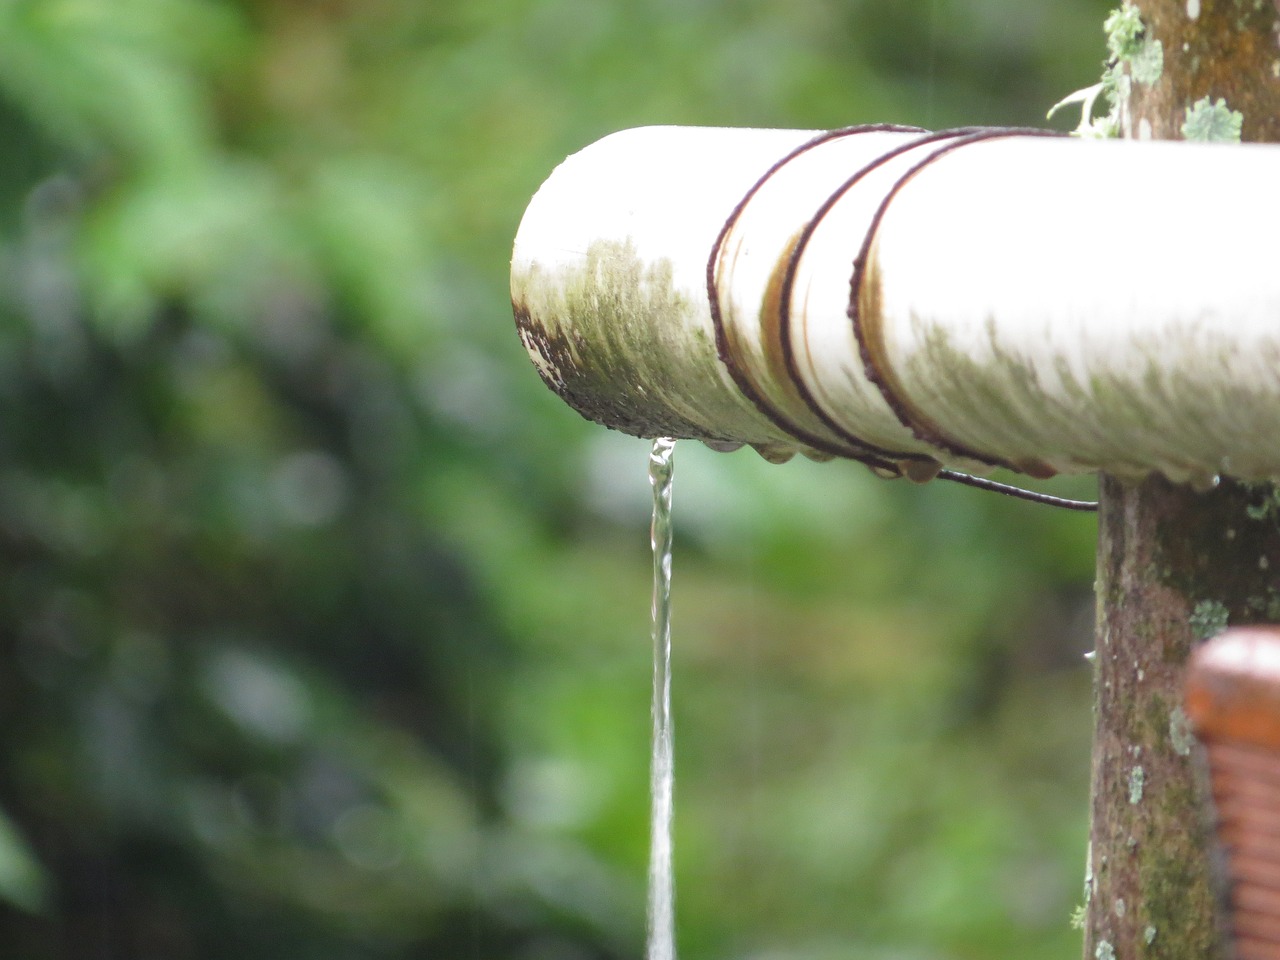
[323,624]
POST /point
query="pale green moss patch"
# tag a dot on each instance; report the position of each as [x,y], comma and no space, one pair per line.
[1147,64]
[1208,619]
[1124,31]
[1137,780]
[1212,121]
[1180,735]
[1267,507]
[626,347]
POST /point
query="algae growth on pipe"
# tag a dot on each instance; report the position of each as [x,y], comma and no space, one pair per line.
[915,300]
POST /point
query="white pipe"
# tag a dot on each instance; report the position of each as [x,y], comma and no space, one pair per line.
[967,300]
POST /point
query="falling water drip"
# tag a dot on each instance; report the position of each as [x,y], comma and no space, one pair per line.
[661,914]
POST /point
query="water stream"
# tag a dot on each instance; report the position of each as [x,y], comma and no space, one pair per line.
[661,906]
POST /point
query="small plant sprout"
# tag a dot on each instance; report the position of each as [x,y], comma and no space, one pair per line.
[1212,122]
[1100,128]
[1135,56]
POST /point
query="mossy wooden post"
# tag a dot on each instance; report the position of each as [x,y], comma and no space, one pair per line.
[1174,565]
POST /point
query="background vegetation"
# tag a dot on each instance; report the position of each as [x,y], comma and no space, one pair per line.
[323,625]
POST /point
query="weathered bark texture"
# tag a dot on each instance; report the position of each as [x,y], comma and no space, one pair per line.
[1174,566]
[1227,51]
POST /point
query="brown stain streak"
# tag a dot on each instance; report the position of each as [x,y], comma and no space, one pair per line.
[867,316]
[774,320]
[771,325]
[917,467]
[732,349]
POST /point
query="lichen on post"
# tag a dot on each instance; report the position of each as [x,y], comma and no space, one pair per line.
[1174,565]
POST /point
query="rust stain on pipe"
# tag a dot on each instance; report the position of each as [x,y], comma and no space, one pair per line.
[917,467]
[727,347]
[771,328]
[773,323]
[866,313]
[733,349]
